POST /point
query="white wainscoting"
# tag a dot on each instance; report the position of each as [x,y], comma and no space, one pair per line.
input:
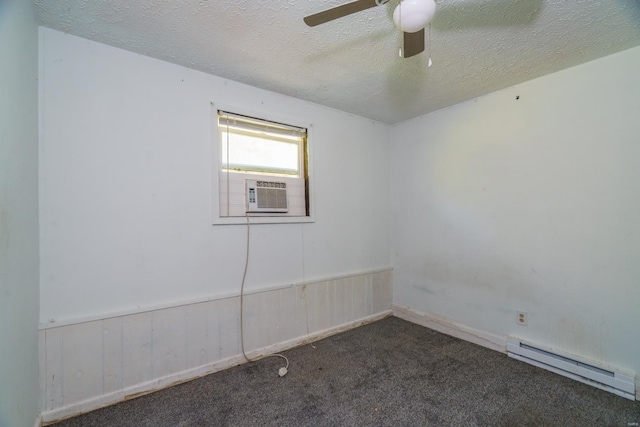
[90,364]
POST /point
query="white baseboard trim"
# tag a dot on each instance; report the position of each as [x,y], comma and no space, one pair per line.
[449,327]
[91,404]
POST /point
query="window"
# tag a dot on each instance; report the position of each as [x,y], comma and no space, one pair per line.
[251,145]
[254,151]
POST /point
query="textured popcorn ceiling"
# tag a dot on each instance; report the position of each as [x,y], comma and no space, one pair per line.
[352,64]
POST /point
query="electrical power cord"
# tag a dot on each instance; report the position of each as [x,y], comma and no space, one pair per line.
[283,370]
[304,290]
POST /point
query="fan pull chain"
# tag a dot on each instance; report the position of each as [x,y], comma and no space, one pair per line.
[400,22]
[430,61]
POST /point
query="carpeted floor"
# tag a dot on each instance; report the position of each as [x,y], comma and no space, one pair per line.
[390,373]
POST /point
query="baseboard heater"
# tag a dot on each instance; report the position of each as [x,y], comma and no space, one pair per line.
[618,383]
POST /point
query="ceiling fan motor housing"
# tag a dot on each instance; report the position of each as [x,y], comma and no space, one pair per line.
[413,15]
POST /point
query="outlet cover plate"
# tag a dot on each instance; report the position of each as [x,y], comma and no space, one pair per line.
[522,317]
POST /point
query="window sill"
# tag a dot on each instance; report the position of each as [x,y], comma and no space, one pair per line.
[241,220]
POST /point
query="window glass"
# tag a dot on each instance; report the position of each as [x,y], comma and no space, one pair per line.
[255,153]
[256,146]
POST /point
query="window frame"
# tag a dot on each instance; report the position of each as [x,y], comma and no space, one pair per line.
[306,167]
[301,144]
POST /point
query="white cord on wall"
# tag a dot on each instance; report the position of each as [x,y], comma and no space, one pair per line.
[282,371]
[228,197]
[304,289]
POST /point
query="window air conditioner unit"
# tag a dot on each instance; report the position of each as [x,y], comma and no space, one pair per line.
[266,196]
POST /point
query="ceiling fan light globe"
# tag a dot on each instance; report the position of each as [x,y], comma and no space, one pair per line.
[413,15]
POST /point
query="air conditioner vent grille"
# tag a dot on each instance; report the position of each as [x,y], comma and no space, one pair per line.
[266,196]
[275,198]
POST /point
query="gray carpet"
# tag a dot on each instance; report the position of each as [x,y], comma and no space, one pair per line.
[390,373]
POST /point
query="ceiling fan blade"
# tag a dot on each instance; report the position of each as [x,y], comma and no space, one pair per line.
[413,43]
[338,12]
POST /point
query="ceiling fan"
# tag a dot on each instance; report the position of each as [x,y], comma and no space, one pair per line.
[410,16]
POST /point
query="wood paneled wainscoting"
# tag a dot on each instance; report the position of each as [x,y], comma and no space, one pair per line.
[91,363]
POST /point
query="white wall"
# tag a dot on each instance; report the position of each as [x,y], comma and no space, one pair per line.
[135,279]
[18,214]
[126,183]
[533,204]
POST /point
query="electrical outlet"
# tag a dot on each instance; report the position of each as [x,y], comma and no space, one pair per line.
[522,317]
